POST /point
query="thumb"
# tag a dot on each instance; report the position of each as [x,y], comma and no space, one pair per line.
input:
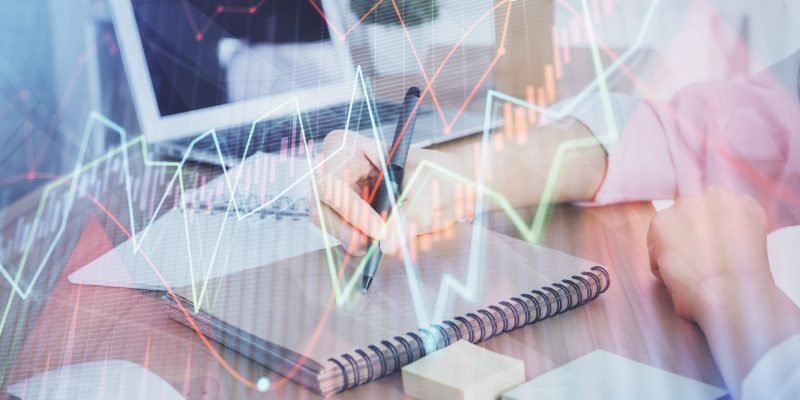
[369,147]
[390,242]
[654,266]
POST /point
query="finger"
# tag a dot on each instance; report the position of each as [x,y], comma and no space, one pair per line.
[372,151]
[654,266]
[342,161]
[399,226]
[755,207]
[654,240]
[370,148]
[442,219]
[348,144]
[335,140]
[353,209]
[352,240]
[390,240]
[400,237]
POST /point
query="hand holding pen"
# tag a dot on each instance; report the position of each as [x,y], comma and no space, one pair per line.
[352,168]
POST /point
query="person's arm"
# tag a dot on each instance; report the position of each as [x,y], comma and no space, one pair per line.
[518,172]
[742,135]
[710,252]
[520,169]
[776,374]
[743,317]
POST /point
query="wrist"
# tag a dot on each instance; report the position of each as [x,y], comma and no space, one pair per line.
[461,155]
[584,164]
[721,296]
[742,317]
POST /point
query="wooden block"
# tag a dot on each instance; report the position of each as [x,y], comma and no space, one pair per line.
[462,371]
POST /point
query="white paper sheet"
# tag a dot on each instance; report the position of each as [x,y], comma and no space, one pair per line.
[193,246]
[604,375]
[242,245]
[113,379]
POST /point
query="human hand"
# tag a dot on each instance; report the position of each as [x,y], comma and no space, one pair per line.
[348,174]
[707,247]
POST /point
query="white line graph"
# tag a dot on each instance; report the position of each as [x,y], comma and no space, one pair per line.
[342,290]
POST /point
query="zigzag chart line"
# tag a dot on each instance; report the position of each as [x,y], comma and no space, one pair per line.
[342,290]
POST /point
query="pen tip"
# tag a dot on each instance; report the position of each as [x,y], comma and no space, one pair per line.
[365,284]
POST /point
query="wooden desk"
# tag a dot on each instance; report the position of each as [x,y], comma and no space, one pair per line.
[635,318]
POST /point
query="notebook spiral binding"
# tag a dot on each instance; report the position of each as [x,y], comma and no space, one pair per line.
[377,360]
[281,207]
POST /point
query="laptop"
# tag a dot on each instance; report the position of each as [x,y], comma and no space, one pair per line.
[196,65]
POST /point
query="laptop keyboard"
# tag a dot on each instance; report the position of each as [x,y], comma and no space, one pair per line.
[280,134]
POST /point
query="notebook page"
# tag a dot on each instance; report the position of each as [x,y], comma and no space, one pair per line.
[201,242]
[292,303]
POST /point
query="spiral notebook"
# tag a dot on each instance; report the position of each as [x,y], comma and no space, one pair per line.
[284,316]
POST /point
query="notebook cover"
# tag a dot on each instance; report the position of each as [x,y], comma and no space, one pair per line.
[467,282]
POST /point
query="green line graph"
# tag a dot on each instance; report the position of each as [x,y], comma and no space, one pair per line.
[342,290]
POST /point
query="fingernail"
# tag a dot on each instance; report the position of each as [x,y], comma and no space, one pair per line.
[378,227]
[353,249]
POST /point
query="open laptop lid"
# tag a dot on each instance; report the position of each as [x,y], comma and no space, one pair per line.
[193,65]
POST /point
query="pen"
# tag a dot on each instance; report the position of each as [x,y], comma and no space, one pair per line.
[394,177]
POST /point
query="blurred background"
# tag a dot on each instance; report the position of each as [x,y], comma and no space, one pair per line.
[60,61]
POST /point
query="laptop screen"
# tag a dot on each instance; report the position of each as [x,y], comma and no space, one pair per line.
[206,53]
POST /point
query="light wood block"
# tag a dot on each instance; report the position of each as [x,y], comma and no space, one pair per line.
[462,371]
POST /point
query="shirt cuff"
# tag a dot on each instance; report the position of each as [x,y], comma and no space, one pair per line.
[639,165]
[590,112]
[776,374]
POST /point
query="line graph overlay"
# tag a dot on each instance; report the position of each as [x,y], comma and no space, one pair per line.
[342,289]
[80,168]
[429,81]
[14,281]
[529,234]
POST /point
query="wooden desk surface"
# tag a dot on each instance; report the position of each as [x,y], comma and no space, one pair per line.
[634,318]
[71,323]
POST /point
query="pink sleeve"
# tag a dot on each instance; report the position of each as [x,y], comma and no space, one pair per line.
[743,136]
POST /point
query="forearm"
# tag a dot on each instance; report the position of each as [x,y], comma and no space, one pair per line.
[742,319]
[562,161]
